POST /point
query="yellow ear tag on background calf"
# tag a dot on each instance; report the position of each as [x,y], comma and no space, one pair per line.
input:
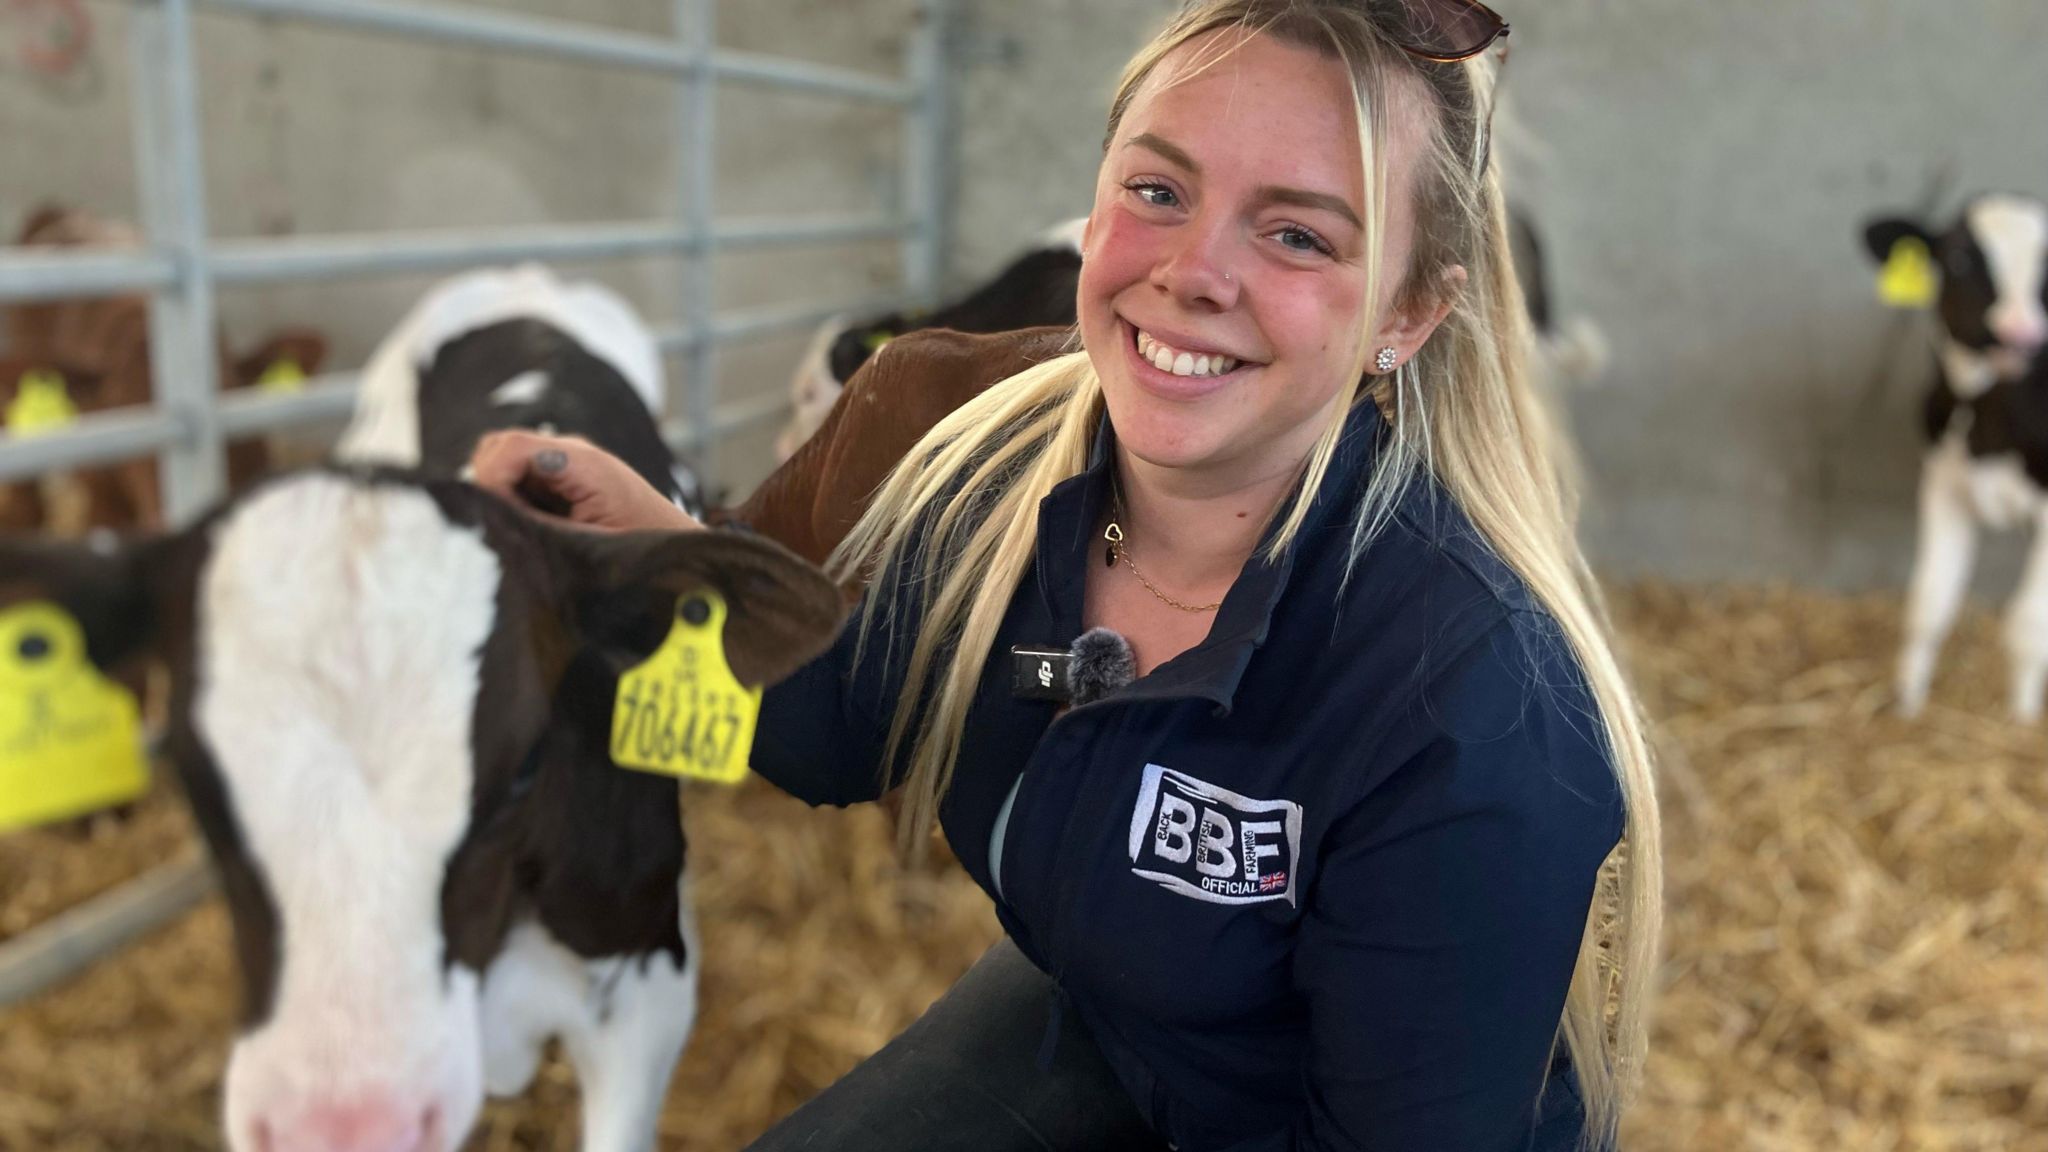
[284,376]
[1908,279]
[41,404]
[70,739]
[681,711]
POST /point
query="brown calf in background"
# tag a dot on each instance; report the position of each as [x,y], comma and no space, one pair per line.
[809,503]
[100,347]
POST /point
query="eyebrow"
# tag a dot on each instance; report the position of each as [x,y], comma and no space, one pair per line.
[1266,193]
[1167,148]
[1299,198]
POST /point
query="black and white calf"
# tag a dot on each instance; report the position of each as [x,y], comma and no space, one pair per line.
[391,711]
[515,348]
[1035,288]
[1571,350]
[1986,419]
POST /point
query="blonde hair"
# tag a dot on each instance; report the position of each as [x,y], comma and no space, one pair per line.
[957,521]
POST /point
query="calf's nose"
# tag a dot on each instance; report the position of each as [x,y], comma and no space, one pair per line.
[2027,333]
[374,1122]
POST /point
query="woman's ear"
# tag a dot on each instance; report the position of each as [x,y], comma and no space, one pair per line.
[1410,325]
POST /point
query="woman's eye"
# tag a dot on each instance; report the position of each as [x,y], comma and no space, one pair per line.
[1303,240]
[1156,195]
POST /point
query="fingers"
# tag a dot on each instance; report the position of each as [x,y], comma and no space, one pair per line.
[532,471]
[503,459]
[572,479]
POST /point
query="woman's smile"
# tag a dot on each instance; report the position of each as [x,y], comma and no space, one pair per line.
[1173,367]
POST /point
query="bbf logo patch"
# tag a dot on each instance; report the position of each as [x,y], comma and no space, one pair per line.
[1211,843]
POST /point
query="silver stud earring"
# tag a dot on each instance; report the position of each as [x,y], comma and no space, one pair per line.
[1386,360]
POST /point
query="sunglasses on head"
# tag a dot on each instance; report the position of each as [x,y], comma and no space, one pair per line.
[1444,31]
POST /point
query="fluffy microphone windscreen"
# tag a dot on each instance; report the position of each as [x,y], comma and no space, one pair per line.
[1103,663]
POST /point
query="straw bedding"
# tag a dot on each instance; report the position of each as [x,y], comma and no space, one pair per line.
[1858,923]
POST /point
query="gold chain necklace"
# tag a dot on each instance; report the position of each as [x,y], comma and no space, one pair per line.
[1114,533]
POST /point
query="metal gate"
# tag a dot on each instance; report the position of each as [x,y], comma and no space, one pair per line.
[182,266]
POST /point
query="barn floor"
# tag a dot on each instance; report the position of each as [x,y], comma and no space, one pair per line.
[1858,924]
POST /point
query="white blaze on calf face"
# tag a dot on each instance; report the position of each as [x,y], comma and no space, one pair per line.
[2013,233]
[340,632]
[524,388]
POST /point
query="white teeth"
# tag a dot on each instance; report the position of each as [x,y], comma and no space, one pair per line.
[1169,359]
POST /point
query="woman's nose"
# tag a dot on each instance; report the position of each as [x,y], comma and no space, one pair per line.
[1196,270]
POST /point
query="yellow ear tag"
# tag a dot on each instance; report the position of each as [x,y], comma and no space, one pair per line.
[876,339]
[681,712]
[1908,279]
[70,740]
[41,405]
[283,376]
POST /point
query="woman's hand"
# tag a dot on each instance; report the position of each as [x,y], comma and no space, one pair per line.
[569,478]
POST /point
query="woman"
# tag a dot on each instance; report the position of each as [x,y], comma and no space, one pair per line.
[1322,876]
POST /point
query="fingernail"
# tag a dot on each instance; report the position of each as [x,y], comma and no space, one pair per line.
[550,460]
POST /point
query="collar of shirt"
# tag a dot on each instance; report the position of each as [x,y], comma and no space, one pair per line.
[1067,539]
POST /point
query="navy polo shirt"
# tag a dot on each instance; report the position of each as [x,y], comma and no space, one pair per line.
[1316,883]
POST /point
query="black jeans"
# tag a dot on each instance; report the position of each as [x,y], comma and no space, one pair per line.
[966,1078]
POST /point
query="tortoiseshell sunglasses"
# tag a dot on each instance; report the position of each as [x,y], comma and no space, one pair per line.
[1446,31]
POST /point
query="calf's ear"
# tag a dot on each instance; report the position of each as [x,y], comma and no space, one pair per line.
[304,347]
[104,585]
[1882,235]
[621,592]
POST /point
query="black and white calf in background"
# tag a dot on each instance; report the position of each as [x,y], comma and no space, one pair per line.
[1986,419]
[515,348]
[1035,288]
[1571,350]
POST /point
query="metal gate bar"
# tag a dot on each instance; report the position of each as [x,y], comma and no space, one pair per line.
[183,267]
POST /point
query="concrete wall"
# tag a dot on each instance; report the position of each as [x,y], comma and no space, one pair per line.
[1700,171]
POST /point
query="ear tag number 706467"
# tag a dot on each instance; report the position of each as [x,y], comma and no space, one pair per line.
[681,711]
[70,739]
